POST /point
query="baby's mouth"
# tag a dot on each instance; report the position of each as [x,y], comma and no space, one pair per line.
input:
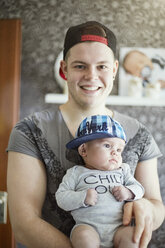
[113,161]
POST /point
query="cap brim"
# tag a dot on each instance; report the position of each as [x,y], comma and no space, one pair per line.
[75,143]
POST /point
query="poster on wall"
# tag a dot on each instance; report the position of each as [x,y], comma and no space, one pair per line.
[142,72]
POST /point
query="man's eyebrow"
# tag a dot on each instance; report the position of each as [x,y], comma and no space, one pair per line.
[78,62]
[82,62]
[103,62]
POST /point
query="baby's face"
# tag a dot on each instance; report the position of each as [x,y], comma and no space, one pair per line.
[104,154]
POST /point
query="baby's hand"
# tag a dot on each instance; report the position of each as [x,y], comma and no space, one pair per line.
[91,197]
[121,193]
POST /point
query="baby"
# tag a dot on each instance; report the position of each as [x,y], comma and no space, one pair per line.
[151,70]
[95,193]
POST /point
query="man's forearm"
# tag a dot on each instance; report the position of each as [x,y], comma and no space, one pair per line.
[40,234]
[158,213]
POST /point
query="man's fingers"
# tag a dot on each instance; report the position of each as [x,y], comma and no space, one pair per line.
[128,212]
[147,234]
[139,226]
[143,221]
[143,227]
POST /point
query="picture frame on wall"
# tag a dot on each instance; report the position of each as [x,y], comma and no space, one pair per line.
[142,72]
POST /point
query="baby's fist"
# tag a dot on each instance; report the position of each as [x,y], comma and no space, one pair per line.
[91,197]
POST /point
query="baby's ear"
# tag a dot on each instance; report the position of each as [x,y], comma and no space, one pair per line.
[82,150]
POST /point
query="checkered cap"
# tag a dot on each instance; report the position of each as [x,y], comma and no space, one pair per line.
[97,127]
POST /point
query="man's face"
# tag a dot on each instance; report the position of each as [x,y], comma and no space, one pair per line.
[89,70]
[103,154]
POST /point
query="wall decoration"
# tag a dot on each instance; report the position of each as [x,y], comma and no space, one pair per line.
[142,72]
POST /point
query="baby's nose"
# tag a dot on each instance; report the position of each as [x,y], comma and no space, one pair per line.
[113,151]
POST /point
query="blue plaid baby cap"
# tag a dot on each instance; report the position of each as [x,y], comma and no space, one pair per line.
[96,127]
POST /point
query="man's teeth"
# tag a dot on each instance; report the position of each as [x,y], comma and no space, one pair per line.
[90,88]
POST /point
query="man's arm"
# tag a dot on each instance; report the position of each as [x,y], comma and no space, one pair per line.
[26,183]
[149,212]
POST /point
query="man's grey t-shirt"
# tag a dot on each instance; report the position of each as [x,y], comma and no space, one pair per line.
[44,136]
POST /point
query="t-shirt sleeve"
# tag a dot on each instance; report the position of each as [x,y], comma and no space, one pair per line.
[140,144]
[140,147]
[149,148]
[22,140]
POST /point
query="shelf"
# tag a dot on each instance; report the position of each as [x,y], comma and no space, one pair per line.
[111,100]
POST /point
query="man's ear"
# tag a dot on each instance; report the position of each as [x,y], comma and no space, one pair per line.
[82,150]
[115,67]
[63,69]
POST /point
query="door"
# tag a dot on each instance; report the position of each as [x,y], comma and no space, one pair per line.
[10,53]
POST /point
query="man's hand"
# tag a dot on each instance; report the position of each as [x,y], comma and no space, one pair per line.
[121,193]
[91,197]
[142,211]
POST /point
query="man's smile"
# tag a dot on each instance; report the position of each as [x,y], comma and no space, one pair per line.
[90,88]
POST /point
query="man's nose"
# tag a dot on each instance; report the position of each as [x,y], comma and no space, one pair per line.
[91,73]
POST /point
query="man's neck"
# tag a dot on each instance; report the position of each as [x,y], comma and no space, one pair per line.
[73,114]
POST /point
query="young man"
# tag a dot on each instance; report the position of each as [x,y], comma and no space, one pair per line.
[95,193]
[37,159]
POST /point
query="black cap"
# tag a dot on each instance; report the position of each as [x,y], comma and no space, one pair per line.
[89,31]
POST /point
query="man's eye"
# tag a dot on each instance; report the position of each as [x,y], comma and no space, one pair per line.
[103,67]
[80,67]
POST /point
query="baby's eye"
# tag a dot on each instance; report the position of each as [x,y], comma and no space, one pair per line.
[107,145]
[119,150]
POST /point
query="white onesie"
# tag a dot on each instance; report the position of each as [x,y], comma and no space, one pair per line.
[107,214]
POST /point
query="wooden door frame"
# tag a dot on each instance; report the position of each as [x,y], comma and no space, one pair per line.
[10,67]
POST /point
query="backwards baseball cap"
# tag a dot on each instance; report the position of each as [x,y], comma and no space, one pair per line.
[97,127]
[89,31]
